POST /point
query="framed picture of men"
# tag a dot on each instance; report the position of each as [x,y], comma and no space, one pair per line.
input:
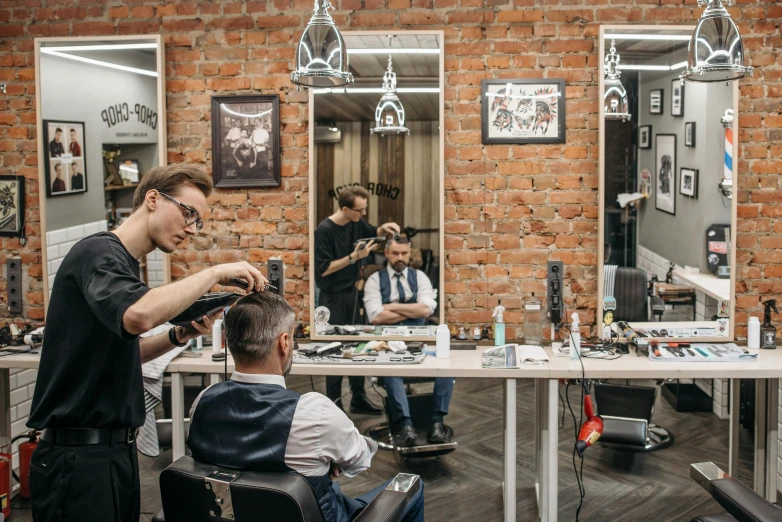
[12,206]
[64,152]
[246,141]
[665,166]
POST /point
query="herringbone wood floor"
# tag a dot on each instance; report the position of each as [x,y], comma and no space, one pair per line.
[466,485]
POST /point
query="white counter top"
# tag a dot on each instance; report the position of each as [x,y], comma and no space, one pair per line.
[708,284]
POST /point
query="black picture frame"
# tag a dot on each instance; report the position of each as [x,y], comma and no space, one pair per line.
[688,182]
[656,100]
[68,154]
[665,173]
[521,120]
[12,206]
[245,136]
[677,98]
[645,137]
[689,134]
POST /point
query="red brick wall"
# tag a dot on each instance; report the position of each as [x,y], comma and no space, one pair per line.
[510,208]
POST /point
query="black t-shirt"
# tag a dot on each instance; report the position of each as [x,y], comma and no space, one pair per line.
[334,242]
[90,371]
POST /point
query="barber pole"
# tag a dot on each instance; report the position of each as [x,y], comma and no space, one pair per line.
[728,173]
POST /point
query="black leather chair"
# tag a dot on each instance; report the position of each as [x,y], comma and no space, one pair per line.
[626,411]
[197,492]
[632,298]
[741,503]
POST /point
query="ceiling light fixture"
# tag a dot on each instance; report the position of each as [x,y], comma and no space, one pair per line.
[321,58]
[615,97]
[716,51]
[145,72]
[389,113]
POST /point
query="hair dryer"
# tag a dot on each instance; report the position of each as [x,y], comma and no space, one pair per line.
[591,429]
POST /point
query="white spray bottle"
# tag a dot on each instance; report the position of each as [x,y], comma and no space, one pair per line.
[575,338]
[499,325]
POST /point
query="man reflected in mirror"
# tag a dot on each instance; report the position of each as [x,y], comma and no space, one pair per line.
[339,250]
[401,295]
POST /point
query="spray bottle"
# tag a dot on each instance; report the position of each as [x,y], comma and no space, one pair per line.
[575,338]
[499,325]
[768,332]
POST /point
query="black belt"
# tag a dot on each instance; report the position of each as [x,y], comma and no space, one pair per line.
[88,436]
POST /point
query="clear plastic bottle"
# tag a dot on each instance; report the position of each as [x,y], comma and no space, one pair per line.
[499,326]
[443,342]
[533,321]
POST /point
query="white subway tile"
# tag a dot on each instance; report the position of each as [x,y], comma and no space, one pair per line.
[23,409]
[30,390]
[52,252]
[14,417]
[66,247]
[12,382]
[19,395]
[18,427]
[14,371]
[91,228]
[51,283]
[104,226]
[54,266]
[15,460]
[76,232]
[55,237]
[26,377]
[155,265]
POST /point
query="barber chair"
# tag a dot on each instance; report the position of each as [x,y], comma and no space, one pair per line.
[741,503]
[195,492]
[631,292]
[627,418]
[421,415]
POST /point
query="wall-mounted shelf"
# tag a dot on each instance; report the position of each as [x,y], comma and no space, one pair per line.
[123,187]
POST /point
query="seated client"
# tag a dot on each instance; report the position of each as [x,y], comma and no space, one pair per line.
[253,423]
[401,295]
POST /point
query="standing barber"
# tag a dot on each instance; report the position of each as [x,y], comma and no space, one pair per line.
[336,273]
[89,399]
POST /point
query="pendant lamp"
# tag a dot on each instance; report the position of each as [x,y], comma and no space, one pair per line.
[321,58]
[615,97]
[390,114]
[716,51]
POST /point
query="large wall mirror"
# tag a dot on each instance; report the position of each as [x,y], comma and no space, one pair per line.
[667,208]
[402,174]
[101,124]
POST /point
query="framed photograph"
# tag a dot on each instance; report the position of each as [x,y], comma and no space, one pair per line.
[656,101]
[689,134]
[129,171]
[677,98]
[665,167]
[12,206]
[523,111]
[64,153]
[246,141]
[645,137]
[689,182]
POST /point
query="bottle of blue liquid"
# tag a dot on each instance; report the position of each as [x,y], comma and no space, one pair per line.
[499,326]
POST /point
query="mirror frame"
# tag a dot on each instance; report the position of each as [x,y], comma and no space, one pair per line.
[312,201]
[161,131]
[601,188]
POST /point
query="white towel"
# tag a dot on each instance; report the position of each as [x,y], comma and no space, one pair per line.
[152,372]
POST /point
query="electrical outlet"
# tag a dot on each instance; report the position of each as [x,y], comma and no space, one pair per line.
[275,274]
[555,277]
[14,284]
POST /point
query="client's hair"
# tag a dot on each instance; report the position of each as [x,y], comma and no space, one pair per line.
[253,325]
[399,240]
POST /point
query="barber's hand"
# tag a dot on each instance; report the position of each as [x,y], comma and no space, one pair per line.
[389,228]
[334,473]
[195,329]
[363,249]
[242,270]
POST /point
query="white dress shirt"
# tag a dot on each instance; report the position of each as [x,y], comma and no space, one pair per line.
[373,301]
[320,434]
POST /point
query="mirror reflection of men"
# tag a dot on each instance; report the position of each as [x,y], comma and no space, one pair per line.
[89,397]
[77,178]
[55,146]
[336,272]
[73,146]
[400,294]
[59,184]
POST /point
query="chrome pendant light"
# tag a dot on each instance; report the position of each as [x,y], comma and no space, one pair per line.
[716,51]
[321,58]
[390,114]
[615,97]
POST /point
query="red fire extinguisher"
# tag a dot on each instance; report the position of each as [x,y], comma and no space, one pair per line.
[25,455]
[5,484]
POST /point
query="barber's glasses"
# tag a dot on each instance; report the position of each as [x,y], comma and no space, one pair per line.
[361,211]
[192,214]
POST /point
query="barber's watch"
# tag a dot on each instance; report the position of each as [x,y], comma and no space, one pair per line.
[350,258]
[173,339]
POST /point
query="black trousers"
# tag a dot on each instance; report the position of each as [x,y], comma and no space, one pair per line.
[341,308]
[87,483]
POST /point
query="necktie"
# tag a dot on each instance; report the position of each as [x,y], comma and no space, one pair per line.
[399,287]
